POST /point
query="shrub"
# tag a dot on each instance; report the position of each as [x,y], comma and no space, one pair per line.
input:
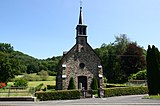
[32,77]
[58,95]
[39,87]
[43,74]
[51,87]
[94,84]
[141,75]
[105,80]
[71,84]
[21,82]
[2,85]
[125,91]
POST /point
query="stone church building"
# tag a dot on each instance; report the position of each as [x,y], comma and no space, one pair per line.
[80,62]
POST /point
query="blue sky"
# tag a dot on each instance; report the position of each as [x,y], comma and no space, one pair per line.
[46,28]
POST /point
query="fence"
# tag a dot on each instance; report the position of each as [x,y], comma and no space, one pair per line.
[17,91]
[137,83]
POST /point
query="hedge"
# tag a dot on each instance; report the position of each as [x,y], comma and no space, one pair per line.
[58,95]
[108,92]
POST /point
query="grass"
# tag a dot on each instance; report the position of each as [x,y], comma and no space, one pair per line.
[45,83]
[24,92]
[152,97]
[35,83]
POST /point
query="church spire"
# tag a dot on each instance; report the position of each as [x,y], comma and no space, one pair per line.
[81,16]
[81,28]
[81,33]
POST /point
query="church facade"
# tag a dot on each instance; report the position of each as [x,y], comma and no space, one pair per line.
[80,63]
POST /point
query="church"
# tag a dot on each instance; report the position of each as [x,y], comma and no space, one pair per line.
[80,63]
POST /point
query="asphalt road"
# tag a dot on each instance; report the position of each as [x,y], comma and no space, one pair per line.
[110,101]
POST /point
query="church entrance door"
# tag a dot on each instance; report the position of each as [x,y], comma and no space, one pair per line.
[82,82]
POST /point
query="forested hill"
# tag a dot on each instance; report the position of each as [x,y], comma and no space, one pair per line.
[120,59]
[23,63]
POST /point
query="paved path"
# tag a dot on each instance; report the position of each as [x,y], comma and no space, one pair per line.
[110,101]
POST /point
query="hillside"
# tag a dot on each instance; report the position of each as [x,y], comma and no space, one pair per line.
[23,63]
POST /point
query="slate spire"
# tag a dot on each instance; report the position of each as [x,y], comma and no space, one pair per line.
[81,16]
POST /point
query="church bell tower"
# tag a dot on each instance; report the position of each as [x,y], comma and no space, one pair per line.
[81,34]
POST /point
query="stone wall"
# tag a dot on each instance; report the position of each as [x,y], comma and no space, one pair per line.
[70,67]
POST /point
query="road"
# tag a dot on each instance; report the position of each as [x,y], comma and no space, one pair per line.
[131,100]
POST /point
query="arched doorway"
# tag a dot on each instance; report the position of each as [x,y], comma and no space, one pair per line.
[82,82]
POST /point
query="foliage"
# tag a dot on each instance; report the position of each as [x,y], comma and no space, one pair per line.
[153,70]
[8,67]
[71,84]
[141,75]
[18,63]
[21,82]
[43,74]
[7,48]
[152,97]
[94,84]
[51,87]
[133,59]
[117,58]
[125,91]
[105,80]
[110,56]
[38,87]
[58,95]
[32,77]
[2,85]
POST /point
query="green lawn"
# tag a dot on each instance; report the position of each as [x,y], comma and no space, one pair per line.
[35,83]
[152,97]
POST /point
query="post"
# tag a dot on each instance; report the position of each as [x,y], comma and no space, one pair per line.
[9,91]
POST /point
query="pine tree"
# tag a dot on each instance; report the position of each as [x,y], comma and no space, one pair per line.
[71,84]
[153,70]
[149,72]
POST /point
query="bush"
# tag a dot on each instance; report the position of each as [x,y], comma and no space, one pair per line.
[2,85]
[21,82]
[58,95]
[94,84]
[32,77]
[105,80]
[71,84]
[43,74]
[39,87]
[125,91]
[51,87]
[141,75]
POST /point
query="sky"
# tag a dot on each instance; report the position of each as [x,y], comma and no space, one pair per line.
[46,28]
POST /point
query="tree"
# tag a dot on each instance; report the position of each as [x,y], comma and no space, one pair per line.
[5,47]
[153,70]
[94,84]
[6,70]
[132,60]
[71,84]
[110,56]
[21,82]
[32,67]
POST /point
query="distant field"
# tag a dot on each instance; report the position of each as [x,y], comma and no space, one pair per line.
[34,75]
[51,80]
[35,83]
